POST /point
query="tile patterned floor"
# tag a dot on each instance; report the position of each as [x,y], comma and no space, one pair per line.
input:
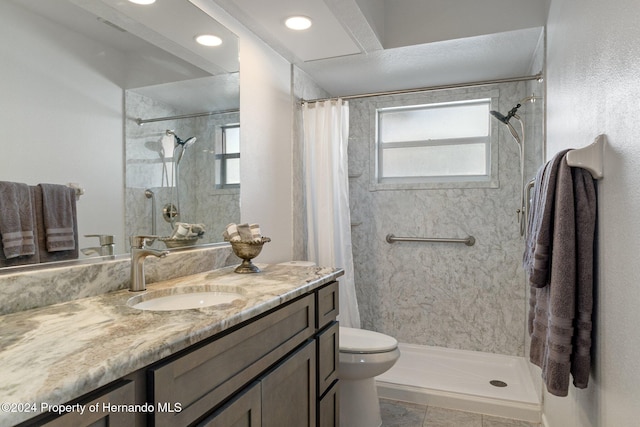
[402,414]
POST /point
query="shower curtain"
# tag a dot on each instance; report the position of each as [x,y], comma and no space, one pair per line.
[326,135]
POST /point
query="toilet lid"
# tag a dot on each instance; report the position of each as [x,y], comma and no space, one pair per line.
[362,341]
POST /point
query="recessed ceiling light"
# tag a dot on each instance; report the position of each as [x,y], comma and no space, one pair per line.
[145,2]
[209,40]
[298,23]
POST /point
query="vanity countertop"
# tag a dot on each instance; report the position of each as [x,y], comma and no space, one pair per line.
[54,354]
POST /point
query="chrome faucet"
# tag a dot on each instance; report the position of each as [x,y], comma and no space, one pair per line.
[106,245]
[138,253]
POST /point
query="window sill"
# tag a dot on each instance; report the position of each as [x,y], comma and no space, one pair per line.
[434,185]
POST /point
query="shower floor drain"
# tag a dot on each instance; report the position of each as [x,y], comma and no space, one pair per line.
[498,383]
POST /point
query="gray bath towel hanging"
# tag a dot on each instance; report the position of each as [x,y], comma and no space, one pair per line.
[58,206]
[560,268]
[16,220]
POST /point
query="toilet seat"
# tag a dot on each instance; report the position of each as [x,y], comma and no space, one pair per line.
[361,341]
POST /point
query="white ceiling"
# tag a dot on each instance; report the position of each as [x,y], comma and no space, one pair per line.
[364,46]
[353,47]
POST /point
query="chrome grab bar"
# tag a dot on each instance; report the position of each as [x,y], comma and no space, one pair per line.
[469,240]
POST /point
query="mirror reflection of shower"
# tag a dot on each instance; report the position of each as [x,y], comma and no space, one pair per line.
[171,211]
[519,138]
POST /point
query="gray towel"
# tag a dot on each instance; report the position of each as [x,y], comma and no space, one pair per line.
[41,237]
[586,216]
[560,316]
[58,204]
[540,228]
[16,220]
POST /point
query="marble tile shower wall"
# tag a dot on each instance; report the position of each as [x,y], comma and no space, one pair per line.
[440,294]
[200,201]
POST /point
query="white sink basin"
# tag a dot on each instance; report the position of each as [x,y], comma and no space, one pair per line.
[184,298]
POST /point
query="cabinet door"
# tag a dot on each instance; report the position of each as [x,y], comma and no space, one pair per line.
[329,407]
[328,357]
[289,391]
[107,412]
[243,411]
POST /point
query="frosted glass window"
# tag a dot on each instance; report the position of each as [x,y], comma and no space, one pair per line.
[444,141]
[433,161]
[228,161]
[233,171]
[435,121]
[232,139]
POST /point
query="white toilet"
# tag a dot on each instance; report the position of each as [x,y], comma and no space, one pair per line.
[363,356]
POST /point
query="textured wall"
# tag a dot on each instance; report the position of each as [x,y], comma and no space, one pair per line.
[593,86]
[439,294]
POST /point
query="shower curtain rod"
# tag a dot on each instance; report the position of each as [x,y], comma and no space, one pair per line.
[140,121]
[430,88]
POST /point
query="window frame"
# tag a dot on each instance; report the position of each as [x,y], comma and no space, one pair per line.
[462,96]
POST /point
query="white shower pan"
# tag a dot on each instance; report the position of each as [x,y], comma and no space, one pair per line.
[461,380]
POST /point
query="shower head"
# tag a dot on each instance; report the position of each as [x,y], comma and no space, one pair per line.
[178,141]
[510,114]
[505,120]
[499,116]
[186,143]
[181,147]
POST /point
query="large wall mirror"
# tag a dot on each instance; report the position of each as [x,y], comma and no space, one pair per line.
[119,99]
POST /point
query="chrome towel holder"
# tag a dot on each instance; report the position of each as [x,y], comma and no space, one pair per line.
[590,157]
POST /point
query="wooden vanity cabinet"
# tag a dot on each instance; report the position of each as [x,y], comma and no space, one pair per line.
[276,370]
[299,391]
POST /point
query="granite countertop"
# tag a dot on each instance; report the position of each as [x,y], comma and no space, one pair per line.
[54,354]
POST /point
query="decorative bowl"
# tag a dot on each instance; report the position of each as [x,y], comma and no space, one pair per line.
[247,251]
[179,242]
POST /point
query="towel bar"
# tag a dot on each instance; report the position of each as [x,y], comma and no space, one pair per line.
[589,157]
[469,240]
[79,190]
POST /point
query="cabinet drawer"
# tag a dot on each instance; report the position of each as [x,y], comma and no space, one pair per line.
[328,353]
[203,378]
[327,304]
